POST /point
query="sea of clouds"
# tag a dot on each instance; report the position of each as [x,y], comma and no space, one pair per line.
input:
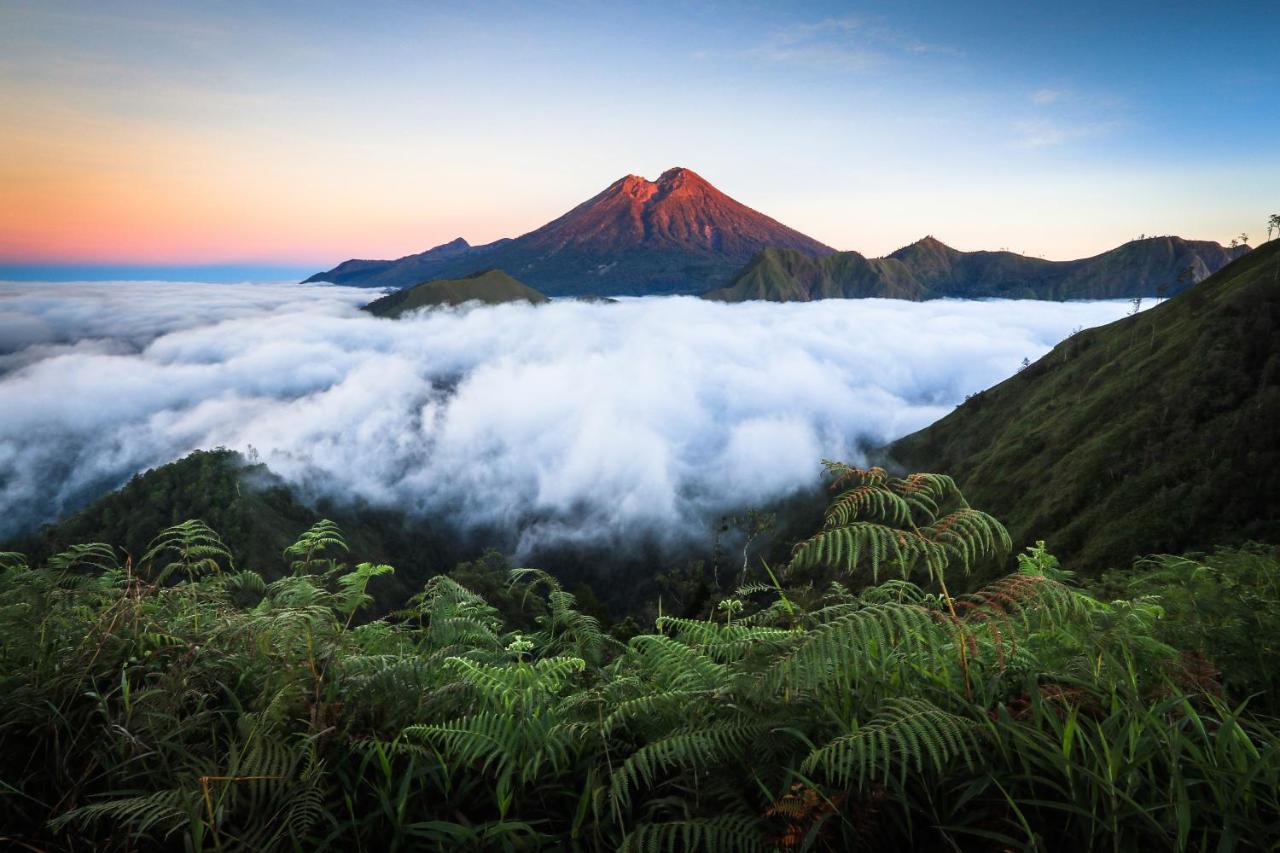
[557,423]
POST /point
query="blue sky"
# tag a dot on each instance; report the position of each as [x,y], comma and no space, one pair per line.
[296,134]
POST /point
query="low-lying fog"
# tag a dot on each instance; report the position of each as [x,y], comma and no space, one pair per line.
[599,420]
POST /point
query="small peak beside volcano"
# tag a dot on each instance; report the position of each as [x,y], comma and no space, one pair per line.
[925,246]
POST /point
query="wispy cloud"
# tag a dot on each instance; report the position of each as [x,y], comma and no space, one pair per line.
[1047,96]
[847,44]
[1062,114]
[1044,132]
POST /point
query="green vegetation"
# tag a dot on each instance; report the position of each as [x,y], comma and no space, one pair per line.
[1154,433]
[257,513]
[928,269]
[491,287]
[185,701]
[785,275]
[1222,609]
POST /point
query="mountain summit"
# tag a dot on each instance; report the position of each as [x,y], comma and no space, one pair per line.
[679,212]
[678,234]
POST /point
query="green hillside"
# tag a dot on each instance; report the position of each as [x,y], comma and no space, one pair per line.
[261,514]
[929,269]
[1157,433]
[256,510]
[492,287]
[785,275]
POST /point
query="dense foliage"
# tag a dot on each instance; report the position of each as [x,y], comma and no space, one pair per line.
[185,702]
[1156,433]
[1222,607]
[256,512]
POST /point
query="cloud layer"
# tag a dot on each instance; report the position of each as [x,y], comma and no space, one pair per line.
[569,421]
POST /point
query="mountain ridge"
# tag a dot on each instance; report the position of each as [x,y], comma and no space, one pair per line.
[930,269]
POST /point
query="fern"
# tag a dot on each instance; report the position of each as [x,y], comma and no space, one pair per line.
[216,710]
[677,665]
[322,536]
[192,549]
[565,629]
[95,555]
[734,833]
[352,595]
[905,736]
[164,812]
[686,749]
[861,645]
[13,561]
[913,524]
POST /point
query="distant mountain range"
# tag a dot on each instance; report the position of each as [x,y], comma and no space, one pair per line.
[1156,433]
[678,234]
[492,287]
[929,269]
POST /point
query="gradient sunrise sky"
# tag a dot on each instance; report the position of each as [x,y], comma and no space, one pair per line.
[300,134]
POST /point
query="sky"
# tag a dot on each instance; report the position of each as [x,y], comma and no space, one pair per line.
[271,138]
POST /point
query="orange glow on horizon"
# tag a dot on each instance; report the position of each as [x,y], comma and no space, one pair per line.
[84,190]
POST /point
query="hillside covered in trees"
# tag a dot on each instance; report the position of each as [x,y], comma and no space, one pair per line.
[258,514]
[489,287]
[1155,433]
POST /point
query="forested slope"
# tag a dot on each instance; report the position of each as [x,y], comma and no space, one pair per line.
[1159,432]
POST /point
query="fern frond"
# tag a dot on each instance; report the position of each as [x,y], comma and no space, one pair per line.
[864,501]
[860,644]
[664,705]
[13,561]
[352,587]
[969,535]
[163,811]
[906,735]
[193,549]
[321,536]
[677,665]
[724,833]
[687,748]
[872,545]
[94,555]
[727,643]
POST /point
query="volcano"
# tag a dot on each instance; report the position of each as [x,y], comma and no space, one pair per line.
[678,234]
